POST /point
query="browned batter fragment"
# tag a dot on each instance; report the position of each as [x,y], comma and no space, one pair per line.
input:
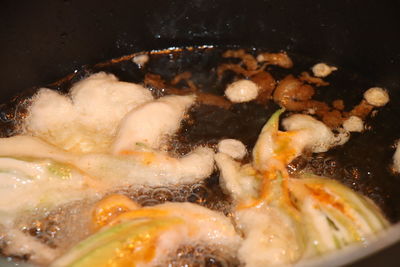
[306,77]
[333,118]
[213,100]
[155,81]
[362,110]
[338,104]
[279,59]
[236,68]
[184,76]
[248,60]
[247,67]
[266,84]
[293,94]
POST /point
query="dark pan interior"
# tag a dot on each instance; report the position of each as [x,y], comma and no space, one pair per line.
[42,41]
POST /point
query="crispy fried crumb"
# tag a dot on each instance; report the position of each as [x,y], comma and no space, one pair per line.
[248,60]
[338,104]
[322,69]
[306,77]
[266,84]
[236,69]
[280,59]
[362,110]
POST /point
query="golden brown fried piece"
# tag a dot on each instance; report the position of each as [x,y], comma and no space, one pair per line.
[248,60]
[279,59]
[333,118]
[293,94]
[338,104]
[236,68]
[266,84]
[306,77]
[155,81]
[185,76]
[361,110]
[247,67]
[213,100]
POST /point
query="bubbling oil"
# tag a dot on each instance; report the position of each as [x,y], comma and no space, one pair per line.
[63,227]
[200,256]
[207,194]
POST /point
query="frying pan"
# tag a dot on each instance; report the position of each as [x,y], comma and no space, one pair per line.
[42,41]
